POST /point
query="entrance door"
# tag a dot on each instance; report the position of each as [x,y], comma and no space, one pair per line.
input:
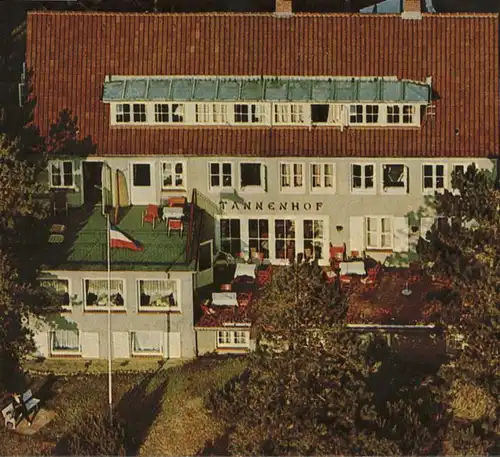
[92,182]
[143,185]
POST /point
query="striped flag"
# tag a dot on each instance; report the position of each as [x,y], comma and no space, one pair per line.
[119,240]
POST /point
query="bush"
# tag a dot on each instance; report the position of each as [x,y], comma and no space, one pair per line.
[95,435]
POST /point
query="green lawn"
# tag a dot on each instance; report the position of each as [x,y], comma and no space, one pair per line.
[164,410]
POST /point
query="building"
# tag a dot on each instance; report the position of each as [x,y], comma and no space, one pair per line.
[296,131]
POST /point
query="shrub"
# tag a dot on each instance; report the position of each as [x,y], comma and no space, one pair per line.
[94,435]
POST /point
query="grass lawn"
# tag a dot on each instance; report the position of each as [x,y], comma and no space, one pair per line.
[164,410]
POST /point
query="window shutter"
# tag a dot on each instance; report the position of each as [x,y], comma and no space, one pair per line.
[172,345]
[42,344]
[264,176]
[121,345]
[425,226]
[400,225]
[357,233]
[89,342]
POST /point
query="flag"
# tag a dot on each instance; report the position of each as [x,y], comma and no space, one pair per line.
[119,240]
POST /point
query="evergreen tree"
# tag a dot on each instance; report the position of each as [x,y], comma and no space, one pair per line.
[465,247]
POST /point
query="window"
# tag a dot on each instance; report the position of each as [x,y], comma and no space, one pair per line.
[314,238]
[291,176]
[220,174]
[362,177]
[173,175]
[230,235]
[284,232]
[96,293]
[147,343]
[379,233]
[211,113]
[158,294]
[459,170]
[252,175]
[61,173]
[139,112]
[288,113]
[356,114]
[395,178]
[250,113]
[372,112]
[433,177]
[408,114]
[233,338]
[65,342]
[122,112]
[169,113]
[323,177]
[58,290]
[393,114]
[258,236]
[141,174]
[401,114]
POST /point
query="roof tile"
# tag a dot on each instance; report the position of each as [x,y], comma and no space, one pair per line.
[72,53]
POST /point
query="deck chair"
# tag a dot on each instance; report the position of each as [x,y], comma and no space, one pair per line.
[176,225]
[150,215]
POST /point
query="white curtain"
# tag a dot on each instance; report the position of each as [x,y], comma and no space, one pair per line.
[148,342]
[281,113]
[99,287]
[334,114]
[159,291]
[65,340]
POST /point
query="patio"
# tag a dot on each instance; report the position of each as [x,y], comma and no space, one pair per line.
[84,243]
[398,297]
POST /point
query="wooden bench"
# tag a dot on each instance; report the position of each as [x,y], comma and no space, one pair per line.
[13,412]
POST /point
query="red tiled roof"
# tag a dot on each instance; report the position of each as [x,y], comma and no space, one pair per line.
[71,53]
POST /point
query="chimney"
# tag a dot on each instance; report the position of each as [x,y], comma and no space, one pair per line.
[412,9]
[283,8]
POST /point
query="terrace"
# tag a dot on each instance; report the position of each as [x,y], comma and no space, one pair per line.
[83,245]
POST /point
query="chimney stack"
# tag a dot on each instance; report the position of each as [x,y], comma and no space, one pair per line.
[412,9]
[283,8]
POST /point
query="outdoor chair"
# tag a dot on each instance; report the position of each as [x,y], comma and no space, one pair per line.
[176,225]
[150,215]
[337,254]
[244,298]
[373,275]
[263,276]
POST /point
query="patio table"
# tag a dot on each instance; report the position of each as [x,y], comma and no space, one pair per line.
[172,213]
[245,269]
[224,299]
[352,268]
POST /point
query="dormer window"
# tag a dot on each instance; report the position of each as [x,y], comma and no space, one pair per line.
[250,113]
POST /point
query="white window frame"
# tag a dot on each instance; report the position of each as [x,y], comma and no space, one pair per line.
[379,234]
[253,189]
[402,107]
[353,116]
[59,164]
[322,189]
[68,307]
[315,239]
[56,352]
[173,164]
[296,222]
[433,189]
[105,307]
[167,308]
[227,339]
[262,111]
[221,176]
[295,170]
[136,353]
[115,112]
[211,113]
[465,165]
[289,114]
[403,190]
[363,190]
[132,175]
[231,238]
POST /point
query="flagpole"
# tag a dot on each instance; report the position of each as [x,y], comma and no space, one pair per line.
[110,381]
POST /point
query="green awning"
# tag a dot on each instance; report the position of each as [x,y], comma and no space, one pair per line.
[278,89]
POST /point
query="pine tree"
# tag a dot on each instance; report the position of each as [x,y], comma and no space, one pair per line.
[465,247]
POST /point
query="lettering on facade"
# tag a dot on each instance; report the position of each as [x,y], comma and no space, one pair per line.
[271,206]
